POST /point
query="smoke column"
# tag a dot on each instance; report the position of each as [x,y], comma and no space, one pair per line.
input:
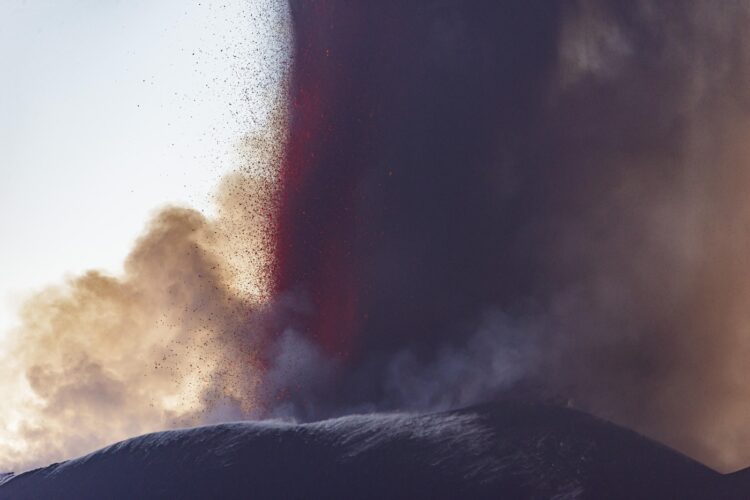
[552,194]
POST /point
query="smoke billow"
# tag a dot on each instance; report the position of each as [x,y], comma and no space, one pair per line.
[176,339]
[163,345]
[580,167]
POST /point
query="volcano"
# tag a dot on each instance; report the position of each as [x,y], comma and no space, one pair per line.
[476,199]
[510,449]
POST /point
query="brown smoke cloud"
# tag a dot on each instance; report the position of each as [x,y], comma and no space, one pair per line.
[174,340]
[170,342]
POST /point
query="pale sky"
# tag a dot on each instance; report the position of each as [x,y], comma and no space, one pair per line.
[110,109]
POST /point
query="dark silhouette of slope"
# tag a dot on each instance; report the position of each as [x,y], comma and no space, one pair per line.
[509,450]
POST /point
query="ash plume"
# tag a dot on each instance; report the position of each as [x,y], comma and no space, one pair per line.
[578,166]
[174,341]
[103,358]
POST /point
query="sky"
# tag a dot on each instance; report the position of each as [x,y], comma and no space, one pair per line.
[111,109]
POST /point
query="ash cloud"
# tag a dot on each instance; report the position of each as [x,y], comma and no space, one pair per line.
[580,163]
[176,340]
[101,358]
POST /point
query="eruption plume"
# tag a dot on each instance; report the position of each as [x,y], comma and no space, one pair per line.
[163,345]
[175,340]
[577,167]
[472,197]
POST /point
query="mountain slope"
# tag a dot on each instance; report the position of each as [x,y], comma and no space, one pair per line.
[504,450]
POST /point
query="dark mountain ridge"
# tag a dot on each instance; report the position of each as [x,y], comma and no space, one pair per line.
[510,449]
